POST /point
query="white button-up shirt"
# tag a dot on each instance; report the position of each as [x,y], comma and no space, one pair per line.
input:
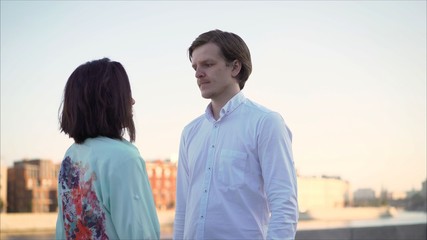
[236,176]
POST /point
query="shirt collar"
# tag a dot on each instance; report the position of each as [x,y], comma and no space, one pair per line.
[229,107]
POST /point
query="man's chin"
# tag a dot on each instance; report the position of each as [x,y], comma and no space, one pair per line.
[206,95]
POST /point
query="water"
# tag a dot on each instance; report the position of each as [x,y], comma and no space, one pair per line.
[401,218]
[29,236]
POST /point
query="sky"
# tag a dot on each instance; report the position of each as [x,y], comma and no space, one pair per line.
[348,77]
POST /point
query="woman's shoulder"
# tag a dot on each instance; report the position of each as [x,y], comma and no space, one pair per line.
[108,147]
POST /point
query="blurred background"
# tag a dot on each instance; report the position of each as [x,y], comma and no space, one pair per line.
[349,78]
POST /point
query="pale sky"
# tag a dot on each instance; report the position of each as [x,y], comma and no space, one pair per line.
[348,77]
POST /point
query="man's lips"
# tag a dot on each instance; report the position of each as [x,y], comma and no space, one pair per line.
[201,83]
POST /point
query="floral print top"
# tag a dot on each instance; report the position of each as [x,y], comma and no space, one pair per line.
[104,193]
[82,215]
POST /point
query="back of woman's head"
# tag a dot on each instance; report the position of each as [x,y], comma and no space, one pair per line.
[97,102]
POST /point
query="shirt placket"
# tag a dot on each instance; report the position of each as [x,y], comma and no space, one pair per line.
[207,179]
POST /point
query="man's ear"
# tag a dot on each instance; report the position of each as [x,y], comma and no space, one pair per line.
[236,67]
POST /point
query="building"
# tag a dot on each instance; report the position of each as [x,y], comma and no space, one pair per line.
[364,194]
[162,177]
[365,197]
[32,186]
[423,191]
[398,195]
[322,192]
[3,188]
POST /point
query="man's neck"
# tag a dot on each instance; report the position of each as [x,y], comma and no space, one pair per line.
[216,108]
[218,104]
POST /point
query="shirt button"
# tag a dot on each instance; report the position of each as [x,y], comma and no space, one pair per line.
[213,146]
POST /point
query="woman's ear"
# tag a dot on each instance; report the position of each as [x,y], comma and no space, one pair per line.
[236,66]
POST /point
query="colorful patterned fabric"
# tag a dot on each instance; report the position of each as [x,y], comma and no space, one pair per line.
[83,217]
[104,193]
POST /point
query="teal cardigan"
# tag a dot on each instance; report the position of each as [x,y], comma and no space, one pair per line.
[104,193]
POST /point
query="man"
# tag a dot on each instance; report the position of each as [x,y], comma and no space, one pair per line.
[236,175]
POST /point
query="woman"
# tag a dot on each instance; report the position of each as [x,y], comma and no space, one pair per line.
[103,188]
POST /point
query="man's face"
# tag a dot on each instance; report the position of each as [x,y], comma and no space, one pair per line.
[214,75]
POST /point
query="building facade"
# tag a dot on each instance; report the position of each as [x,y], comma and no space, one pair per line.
[322,192]
[3,188]
[162,177]
[423,191]
[365,197]
[32,186]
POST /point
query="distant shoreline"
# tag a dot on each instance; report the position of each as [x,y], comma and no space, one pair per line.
[348,213]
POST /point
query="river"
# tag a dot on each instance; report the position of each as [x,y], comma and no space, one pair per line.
[401,218]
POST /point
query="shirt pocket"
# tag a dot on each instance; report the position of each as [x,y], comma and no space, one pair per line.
[232,168]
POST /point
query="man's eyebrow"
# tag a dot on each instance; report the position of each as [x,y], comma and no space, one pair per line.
[202,62]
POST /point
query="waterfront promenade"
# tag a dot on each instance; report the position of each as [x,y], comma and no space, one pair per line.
[407,226]
[396,232]
[45,222]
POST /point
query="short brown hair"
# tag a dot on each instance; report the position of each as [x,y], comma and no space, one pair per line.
[97,101]
[232,48]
